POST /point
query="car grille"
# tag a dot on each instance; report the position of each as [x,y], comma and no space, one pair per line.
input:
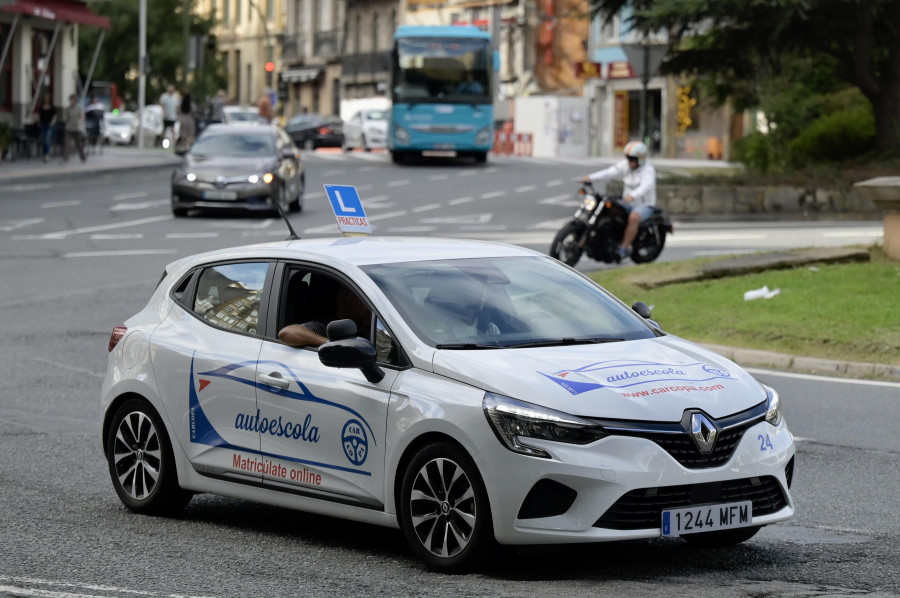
[642,509]
[675,440]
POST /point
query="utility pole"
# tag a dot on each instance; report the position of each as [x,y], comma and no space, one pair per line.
[142,62]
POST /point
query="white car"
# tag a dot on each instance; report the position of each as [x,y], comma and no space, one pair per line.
[482,394]
[366,129]
[241,115]
[118,128]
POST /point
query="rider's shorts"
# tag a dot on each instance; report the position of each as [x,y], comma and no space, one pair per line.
[644,211]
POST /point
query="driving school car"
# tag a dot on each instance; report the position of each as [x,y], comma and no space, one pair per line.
[490,395]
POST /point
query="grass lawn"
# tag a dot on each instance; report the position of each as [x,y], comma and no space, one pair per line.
[833,311]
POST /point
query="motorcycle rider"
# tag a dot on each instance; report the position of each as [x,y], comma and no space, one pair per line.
[639,178]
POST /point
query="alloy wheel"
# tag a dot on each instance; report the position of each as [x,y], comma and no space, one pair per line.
[442,507]
[137,455]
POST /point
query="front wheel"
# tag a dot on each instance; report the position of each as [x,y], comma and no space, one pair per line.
[648,244]
[297,204]
[566,245]
[722,538]
[444,509]
[141,461]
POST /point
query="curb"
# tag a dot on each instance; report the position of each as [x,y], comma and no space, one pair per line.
[808,365]
[79,173]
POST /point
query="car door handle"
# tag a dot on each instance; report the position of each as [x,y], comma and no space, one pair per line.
[274,379]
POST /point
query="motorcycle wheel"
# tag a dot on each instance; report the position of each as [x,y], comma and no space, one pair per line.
[645,248]
[565,245]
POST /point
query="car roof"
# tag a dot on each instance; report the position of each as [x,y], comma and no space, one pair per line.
[361,251]
[236,129]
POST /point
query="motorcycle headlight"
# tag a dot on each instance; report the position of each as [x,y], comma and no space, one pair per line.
[483,136]
[401,134]
[773,406]
[513,421]
[589,203]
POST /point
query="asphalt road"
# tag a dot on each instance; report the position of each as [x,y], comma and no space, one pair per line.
[77,259]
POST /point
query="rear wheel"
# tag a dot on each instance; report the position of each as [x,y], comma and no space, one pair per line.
[141,462]
[725,537]
[297,204]
[565,246]
[179,212]
[646,247]
[444,509]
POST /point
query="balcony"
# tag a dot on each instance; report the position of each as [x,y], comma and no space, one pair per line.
[292,48]
[373,63]
[325,44]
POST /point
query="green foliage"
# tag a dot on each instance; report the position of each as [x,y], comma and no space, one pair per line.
[841,135]
[166,49]
[755,151]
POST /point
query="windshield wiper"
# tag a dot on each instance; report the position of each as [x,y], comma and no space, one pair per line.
[567,341]
[467,346]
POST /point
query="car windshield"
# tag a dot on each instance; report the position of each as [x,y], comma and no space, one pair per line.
[242,115]
[504,302]
[119,120]
[375,115]
[242,144]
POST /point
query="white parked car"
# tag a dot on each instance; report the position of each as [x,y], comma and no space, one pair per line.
[118,128]
[366,129]
[469,393]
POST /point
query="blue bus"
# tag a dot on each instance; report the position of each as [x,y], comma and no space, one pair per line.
[441,93]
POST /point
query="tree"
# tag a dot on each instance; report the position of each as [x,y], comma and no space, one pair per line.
[736,44]
[118,59]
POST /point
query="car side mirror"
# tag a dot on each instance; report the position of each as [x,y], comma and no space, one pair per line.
[643,310]
[346,350]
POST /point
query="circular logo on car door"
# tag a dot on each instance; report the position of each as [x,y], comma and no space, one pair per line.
[356,445]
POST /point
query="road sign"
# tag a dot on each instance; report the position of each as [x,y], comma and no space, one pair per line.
[348,209]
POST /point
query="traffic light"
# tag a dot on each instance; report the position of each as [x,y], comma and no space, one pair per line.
[270,68]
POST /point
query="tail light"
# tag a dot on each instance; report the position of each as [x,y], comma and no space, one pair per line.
[324,130]
[117,334]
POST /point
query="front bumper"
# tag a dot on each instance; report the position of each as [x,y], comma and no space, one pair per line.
[245,196]
[616,488]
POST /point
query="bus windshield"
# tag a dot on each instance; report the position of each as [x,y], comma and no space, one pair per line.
[442,70]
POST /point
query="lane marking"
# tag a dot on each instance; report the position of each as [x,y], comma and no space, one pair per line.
[492,194]
[61,204]
[114,237]
[439,177]
[425,208]
[559,200]
[333,172]
[463,219]
[264,224]
[555,183]
[192,235]
[689,238]
[549,224]
[141,205]
[30,187]
[65,589]
[412,229]
[122,253]
[93,229]
[135,195]
[812,377]
[17,224]
[399,183]
[387,215]
[526,188]
[459,201]
[467,172]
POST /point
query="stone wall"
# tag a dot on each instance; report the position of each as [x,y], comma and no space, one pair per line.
[686,200]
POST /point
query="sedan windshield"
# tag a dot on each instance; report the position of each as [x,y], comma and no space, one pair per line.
[504,302]
[234,144]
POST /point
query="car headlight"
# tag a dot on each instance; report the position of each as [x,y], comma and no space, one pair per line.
[266,178]
[185,176]
[401,134]
[483,136]
[773,406]
[513,420]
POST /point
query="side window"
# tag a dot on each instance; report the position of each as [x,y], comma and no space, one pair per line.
[228,295]
[385,347]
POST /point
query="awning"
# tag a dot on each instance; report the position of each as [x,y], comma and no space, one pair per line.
[56,10]
[301,75]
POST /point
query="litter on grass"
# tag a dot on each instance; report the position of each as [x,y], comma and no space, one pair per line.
[763,293]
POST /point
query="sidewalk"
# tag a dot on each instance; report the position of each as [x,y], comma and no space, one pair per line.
[109,159]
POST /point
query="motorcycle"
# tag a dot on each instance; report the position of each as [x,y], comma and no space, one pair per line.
[597,228]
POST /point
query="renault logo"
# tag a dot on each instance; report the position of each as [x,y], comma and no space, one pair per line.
[704,432]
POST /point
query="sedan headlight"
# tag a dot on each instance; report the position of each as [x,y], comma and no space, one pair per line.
[180,175]
[773,406]
[266,178]
[514,420]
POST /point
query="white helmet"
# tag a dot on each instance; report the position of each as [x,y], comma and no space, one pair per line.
[636,149]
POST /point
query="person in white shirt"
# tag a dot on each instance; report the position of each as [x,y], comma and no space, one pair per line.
[639,178]
[169,102]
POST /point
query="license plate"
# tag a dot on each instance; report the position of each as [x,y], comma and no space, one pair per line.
[439,154]
[707,518]
[219,194]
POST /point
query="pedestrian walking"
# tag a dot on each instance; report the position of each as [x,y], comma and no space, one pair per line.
[264,105]
[217,108]
[187,124]
[47,115]
[168,101]
[93,118]
[74,129]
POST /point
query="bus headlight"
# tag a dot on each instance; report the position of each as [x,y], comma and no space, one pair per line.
[401,134]
[483,136]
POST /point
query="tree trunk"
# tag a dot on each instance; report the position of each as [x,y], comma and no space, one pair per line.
[886,108]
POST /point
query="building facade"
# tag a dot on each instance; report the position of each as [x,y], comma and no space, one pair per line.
[39,55]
